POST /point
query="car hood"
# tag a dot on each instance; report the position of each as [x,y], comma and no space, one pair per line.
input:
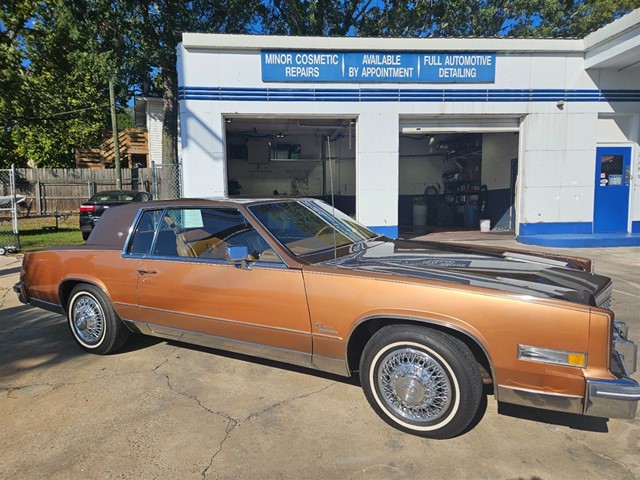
[504,270]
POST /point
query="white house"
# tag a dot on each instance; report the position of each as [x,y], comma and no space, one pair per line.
[149,115]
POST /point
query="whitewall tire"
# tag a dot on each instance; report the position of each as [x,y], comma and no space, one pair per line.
[93,322]
[421,380]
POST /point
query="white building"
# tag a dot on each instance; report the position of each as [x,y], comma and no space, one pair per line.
[149,115]
[548,130]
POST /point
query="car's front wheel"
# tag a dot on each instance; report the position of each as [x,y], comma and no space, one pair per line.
[93,322]
[421,380]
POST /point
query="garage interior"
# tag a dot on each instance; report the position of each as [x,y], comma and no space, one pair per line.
[271,156]
[458,175]
[457,178]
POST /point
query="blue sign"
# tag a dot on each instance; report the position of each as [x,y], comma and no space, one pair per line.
[377,67]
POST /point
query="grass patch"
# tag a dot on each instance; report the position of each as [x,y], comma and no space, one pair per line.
[39,232]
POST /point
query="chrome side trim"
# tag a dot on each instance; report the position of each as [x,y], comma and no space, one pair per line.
[132,228]
[538,399]
[49,306]
[616,398]
[231,322]
[292,357]
[331,365]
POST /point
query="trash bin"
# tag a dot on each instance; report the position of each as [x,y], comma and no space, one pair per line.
[419,212]
[470,216]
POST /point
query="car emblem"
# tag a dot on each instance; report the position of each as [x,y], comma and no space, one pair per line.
[120,234]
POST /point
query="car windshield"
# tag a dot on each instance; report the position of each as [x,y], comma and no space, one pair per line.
[309,226]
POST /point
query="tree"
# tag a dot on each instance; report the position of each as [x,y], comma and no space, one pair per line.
[53,98]
[314,17]
[564,18]
[56,57]
[490,18]
[141,37]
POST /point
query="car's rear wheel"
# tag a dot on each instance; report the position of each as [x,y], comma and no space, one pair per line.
[421,380]
[85,235]
[93,322]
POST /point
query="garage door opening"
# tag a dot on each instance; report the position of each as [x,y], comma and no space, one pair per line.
[275,156]
[457,178]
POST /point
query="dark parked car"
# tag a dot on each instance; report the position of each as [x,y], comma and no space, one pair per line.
[92,209]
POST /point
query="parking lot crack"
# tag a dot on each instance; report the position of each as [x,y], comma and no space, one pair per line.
[197,400]
[616,461]
[3,295]
[230,427]
[165,361]
[255,415]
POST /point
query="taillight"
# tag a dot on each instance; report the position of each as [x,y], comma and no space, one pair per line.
[87,208]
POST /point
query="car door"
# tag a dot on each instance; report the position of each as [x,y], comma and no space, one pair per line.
[187,289]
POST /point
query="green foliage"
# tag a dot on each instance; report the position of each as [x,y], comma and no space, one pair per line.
[315,17]
[56,57]
[58,98]
[37,232]
[125,118]
[490,18]
[562,19]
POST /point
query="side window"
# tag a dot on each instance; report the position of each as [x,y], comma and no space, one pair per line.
[143,235]
[207,232]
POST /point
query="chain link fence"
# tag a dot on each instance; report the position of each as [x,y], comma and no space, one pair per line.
[166,180]
[9,238]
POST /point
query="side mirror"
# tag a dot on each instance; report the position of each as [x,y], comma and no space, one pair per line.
[237,254]
[240,254]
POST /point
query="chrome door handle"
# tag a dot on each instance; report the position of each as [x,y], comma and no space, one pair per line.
[147,272]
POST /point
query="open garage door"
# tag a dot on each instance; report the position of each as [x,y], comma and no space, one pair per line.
[272,156]
[457,172]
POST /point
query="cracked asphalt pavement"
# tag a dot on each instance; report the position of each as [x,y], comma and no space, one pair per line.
[165,410]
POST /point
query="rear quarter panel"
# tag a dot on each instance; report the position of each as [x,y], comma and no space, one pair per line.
[45,271]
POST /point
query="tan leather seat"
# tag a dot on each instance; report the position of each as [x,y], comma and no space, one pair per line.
[194,243]
[269,256]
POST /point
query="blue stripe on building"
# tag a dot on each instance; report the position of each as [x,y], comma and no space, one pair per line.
[270,94]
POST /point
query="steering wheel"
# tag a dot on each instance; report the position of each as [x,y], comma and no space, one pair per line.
[322,230]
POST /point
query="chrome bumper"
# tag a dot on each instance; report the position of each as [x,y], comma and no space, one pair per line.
[616,398]
[612,398]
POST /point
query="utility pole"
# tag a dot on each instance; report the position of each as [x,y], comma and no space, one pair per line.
[116,142]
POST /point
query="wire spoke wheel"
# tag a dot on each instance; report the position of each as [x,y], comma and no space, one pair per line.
[93,321]
[421,380]
[88,319]
[414,385]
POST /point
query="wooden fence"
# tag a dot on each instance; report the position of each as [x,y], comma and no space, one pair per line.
[50,190]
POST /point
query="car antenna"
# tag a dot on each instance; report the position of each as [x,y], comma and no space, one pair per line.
[333,203]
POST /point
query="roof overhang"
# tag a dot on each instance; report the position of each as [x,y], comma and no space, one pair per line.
[140,109]
[225,42]
[615,46]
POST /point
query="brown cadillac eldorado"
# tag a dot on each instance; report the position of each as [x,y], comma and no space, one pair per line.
[424,325]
